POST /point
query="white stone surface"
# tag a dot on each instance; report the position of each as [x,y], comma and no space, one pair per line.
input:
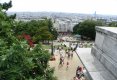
[94,67]
[99,40]
[96,53]
[110,47]
[105,48]
[102,75]
[111,29]
[105,60]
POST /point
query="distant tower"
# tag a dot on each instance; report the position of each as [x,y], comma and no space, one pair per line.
[95,15]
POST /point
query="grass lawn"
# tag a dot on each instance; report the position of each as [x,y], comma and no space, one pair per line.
[46,46]
[56,46]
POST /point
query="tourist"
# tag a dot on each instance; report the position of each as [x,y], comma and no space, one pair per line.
[66,52]
[62,60]
[79,68]
[79,72]
[58,48]
[60,63]
[71,54]
[67,65]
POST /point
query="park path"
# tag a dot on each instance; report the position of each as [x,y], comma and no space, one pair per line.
[60,71]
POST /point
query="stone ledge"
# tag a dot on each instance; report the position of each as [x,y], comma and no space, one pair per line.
[111,31]
[95,69]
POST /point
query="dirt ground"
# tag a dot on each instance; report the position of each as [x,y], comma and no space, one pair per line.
[61,71]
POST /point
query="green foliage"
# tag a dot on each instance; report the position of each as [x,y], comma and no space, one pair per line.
[6,24]
[39,30]
[75,31]
[87,28]
[17,62]
[21,64]
[54,34]
[113,24]
[3,48]
[6,6]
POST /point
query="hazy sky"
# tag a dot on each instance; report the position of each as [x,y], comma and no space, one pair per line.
[73,6]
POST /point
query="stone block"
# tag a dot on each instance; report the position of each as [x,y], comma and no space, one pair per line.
[109,64]
[110,47]
[102,75]
[99,40]
[96,52]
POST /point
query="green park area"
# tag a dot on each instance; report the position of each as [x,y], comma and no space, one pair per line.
[46,46]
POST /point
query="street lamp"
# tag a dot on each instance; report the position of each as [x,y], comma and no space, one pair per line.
[76,46]
[52,48]
[52,52]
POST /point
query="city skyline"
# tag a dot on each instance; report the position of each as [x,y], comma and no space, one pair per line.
[106,7]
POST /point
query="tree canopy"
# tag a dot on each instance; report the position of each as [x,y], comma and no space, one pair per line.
[39,30]
[113,24]
[86,28]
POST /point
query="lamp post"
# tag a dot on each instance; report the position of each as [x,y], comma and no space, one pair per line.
[76,46]
[52,52]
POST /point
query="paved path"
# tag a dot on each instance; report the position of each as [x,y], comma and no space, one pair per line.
[60,71]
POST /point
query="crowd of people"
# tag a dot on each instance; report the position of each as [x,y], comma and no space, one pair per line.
[67,53]
[79,74]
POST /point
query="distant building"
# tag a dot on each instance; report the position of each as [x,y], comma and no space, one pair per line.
[64,26]
[63,22]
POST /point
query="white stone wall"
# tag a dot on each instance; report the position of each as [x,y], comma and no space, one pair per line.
[105,48]
[110,47]
[99,40]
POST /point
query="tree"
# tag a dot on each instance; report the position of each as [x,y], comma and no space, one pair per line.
[75,31]
[17,62]
[113,24]
[6,23]
[86,28]
[21,64]
[52,30]
[39,30]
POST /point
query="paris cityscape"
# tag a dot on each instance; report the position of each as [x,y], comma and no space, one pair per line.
[63,21]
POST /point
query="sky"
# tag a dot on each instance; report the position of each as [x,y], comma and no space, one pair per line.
[108,7]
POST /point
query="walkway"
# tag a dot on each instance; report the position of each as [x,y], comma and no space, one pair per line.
[60,71]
